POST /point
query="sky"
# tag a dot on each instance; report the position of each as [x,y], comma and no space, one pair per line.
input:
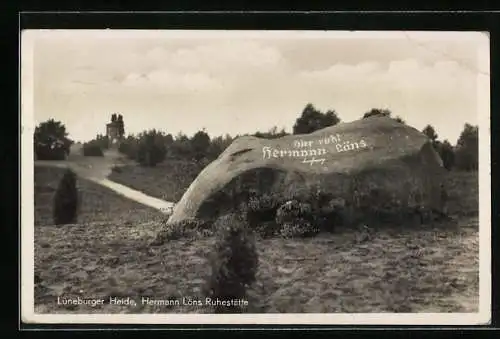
[243,82]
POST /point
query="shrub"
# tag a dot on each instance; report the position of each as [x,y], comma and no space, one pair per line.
[377,112]
[261,208]
[192,228]
[313,119]
[200,144]
[234,262]
[129,147]
[330,212]
[379,206]
[66,200]
[102,141]
[260,213]
[299,228]
[151,149]
[293,210]
[467,150]
[44,152]
[92,149]
[268,213]
[296,219]
[50,141]
[266,229]
[447,154]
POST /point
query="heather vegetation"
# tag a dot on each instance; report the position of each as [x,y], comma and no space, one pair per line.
[283,253]
[109,252]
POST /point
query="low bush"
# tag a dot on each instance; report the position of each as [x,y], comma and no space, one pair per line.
[66,200]
[116,169]
[234,262]
[48,153]
[92,149]
[332,212]
[306,214]
[267,229]
[297,219]
[293,210]
[299,228]
[261,208]
[380,207]
[192,228]
[273,214]
[260,213]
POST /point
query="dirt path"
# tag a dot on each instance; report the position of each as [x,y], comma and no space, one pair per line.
[162,205]
[97,169]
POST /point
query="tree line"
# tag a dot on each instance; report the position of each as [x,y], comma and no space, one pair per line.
[151,147]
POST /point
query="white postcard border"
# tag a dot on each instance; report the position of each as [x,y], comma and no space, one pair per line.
[28,314]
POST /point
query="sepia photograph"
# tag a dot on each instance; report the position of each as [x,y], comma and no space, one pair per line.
[255,177]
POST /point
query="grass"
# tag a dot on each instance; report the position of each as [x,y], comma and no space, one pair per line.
[430,269]
[167,180]
[97,203]
[463,192]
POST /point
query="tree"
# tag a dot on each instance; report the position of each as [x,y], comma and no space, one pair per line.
[330,118]
[218,145]
[151,148]
[377,112]
[445,150]
[181,147]
[66,199]
[121,126]
[200,142]
[129,147]
[51,141]
[102,141]
[312,120]
[92,148]
[467,150]
[430,132]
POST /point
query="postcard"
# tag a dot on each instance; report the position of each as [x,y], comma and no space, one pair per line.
[255,177]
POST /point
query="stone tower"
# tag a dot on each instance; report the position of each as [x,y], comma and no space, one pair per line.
[113,130]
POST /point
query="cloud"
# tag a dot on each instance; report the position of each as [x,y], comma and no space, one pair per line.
[166,79]
[213,66]
[440,79]
[229,84]
[420,93]
[228,56]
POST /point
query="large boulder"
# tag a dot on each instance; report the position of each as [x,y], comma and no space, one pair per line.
[366,162]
